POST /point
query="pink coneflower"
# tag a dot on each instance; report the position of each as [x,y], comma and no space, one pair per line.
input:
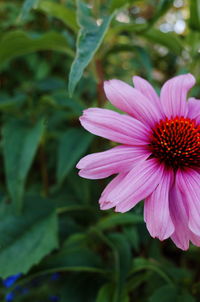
[158,160]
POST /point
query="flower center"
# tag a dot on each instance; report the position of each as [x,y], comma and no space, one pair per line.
[176,142]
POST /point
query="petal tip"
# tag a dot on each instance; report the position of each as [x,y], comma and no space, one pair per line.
[78,166]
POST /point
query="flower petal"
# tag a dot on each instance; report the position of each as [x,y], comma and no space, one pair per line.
[178,211]
[156,209]
[194,109]
[194,239]
[174,95]
[146,89]
[188,182]
[103,201]
[115,126]
[113,161]
[139,183]
[132,101]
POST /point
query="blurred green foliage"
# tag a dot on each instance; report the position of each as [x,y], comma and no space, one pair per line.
[54,57]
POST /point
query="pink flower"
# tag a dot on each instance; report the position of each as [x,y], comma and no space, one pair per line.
[158,160]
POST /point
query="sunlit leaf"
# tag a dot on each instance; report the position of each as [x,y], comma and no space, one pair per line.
[89,39]
[160,9]
[27,6]
[169,40]
[17,43]
[63,13]
[194,20]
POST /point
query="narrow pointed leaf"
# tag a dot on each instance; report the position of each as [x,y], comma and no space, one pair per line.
[89,39]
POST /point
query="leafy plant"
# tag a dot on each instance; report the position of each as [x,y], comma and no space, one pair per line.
[54,57]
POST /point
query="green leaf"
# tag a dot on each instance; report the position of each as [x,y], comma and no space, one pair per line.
[89,39]
[148,264]
[169,293]
[27,6]
[74,259]
[165,293]
[132,235]
[79,287]
[7,101]
[194,21]
[20,143]
[25,239]
[169,40]
[185,297]
[116,4]
[105,293]
[116,219]
[59,11]
[73,143]
[17,43]
[161,8]
[122,263]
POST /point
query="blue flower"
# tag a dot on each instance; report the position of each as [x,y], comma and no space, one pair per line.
[9,297]
[8,282]
[54,298]
[55,276]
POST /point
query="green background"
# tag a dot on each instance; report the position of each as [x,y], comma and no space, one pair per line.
[54,57]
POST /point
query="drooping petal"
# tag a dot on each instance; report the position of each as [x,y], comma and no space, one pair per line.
[132,101]
[194,239]
[116,160]
[174,94]
[139,183]
[146,89]
[156,209]
[194,109]
[103,201]
[188,182]
[115,126]
[179,214]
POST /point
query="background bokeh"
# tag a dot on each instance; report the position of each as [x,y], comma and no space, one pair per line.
[55,243]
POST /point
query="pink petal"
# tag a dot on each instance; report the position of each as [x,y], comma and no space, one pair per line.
[115,126]
[113,161]
[146,89]
[194,109]
[174,95]
[194,239]
[132,101]
[156,209]
[103,201]
[178,211]
[188,182]
[140,182]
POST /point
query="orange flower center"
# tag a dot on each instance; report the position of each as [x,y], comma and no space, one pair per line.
[176,142]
